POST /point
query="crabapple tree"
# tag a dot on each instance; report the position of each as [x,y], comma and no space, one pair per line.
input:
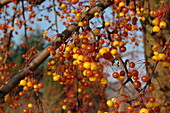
[90,56]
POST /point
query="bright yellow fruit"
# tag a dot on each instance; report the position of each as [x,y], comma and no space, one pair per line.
[162,24]
[104,81]
[156,29]
[144,110]
[113,51]
[23,83]
[155,22]
[109,103]
[87,65]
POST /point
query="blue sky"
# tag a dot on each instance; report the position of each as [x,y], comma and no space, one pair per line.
[43,25]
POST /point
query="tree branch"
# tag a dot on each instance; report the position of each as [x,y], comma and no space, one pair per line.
[42,56]
[4,2]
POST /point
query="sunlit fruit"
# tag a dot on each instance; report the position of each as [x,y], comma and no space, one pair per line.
[56,78]
[135,72]
[144,110]
[151,88]
[74,1]
[155,58]
[115,75]
[80,24]
[23,83]
[80,57]
[35,86]
[115,43]
[113,51]
[109,103]
[87,65]
[85,22]
[64,107]
[104,81]
[40,85]
[92,79]
[49,73]
[136,84]
[25,110]
[115,100]
[101,41]
[107,24]
[132,64]
[161,56]
[94,66]
[121,14]
[90,48]
[166,64]
[155,22]
[96,31]
[130,108]
[102,51]
[30,105]
[116,105]
[96,14]
[121,4]
[144,78]
[25,88]
[162,24]
[122,49]
[152,99]
[116,1]
[156,29]
[121,78]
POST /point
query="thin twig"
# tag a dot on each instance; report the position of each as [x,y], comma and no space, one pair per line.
[55,13]
[10,35]
[25,25]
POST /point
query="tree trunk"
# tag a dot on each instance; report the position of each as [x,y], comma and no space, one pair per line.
[160,74]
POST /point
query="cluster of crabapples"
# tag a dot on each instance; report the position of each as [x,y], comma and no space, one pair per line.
[151,107]
[84,56]
[158,23]
[162,57]
[114,104]
[88,69]
[30,83]
[27,85]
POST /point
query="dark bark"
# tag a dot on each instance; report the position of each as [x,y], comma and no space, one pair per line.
[159,74]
